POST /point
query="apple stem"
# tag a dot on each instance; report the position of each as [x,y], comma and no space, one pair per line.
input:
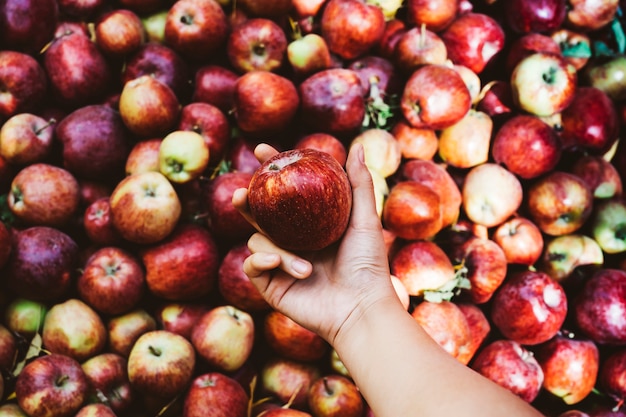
[422,35]
[296,32]
[327,387]
[51,122]
[548,76]
[273,167]
[554,256]
[154,350]
[61,380]
[186,19]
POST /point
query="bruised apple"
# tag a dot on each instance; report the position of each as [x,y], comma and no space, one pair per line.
[301,199]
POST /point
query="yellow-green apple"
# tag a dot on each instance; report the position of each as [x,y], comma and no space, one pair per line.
[600,174]
[523,16]
[288,380]
[382,150]
[154,26]
[9,409]
[95,143]
[211,123]
[26,138]
[332,101]
[543,84]
[351,28]
[608,225]
[179,317]
[78,72]
[148,107]
[98,224]
[559,203]
[575,46]
[160,62]
[472,81]
[224,337]
[528,44]
[42,263]
[95,410]
[224,220]
[196,28]
[112,281]
[184,265]
[72,328]
[595,307]
[264,102]
[445,323]
[234,285]
[590,122]
[324,142]
[28,25]
[25,317]
[257,44]
[419,46]
[473,40]
[289,339]
[381,191]
[466,143]
[570,367]
[422,266]
[415,143]
[485,266]
[529,307]
[119,32]
[412,210]
[611,375]
[214,84]
[436,15]
[107,374]
[308,54]
[587,16]
[301,198]
[479,327]
[51,384]
[512,366]
[8,350]
[143,157]
[526,146]
[520,239]
[607,76]
[216,394]
[145,207]
[123,330]
[434,96]
[161,363]
[491,194]
[183,156]
[25,83]
[563,254]
[43,194]
[335,395]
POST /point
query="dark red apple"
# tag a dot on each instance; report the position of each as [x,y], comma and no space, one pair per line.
[215,84]
[611,375]
[28,25]
[98,224]
[211,123]
[108,376]
[241,155]
[524,16]
[24,83]
[301,199]
[257,44]
[326,143]
[291,340]
[81,9]
[600,174]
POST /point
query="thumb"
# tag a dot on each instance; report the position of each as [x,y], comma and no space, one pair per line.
[364,212]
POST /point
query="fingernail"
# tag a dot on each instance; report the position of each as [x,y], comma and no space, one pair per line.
[300,266]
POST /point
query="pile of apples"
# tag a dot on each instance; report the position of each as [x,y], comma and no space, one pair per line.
[492,132]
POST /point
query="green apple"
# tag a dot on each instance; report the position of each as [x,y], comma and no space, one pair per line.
[609,225]
[25,317]
[183,156]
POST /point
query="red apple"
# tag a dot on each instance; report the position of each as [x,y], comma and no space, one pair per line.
[419,46]
[520,239]
[241,155]
[529,307]
[80,8]
[184,265]
[98,224]
[25,83]
[143,157]
[95,410]
[119,32]
[107,375]
[288,380]
[611,375]
[382,150]
[301,199]
[601,176]
[528,44]
[291,340]
[28,25]
[26,139]
[523,16]
[209,122]
[326,143]
[415,143]
[335,396]
[466,143]
[124,330]
[179,317]
[479,329]
[575,46]
[436,15]
[8,349]
[588,15]
[215,394]
[215,84]
[257,44]
[308,54]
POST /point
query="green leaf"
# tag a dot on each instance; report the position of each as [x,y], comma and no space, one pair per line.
[618,33]
[577,50]
[6,215]
[601,49]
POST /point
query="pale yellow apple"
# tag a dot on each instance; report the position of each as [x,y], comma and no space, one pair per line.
[183,156]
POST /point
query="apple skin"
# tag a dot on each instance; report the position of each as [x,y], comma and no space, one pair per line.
[307,55]
[419,46]
[26,138]
[119,33]
[521,240]
[211,123]
[325,143]
[335,396]
[421,265]
[145,207]
[28,25]
[124,330]
[25,317]
[215,394]
[351,27]
[161,364]
[529,307]
[98,224]
[526,146]
[333,101]
[381,149]
[415,143]
[25,81]
[435,15]
[588,16]
[594,307]
[466,143]
[43,194]
[11,409]
[95,142]
[214,84]
[224,337]
[301,199]
[288,380]
[570,367]
[611,375]
[590,122]
[95,410]
[559,203]
[107,375]
[8,349]
[80,9]
[235,286]
[42,263]
[528,44]
[143,156]
[257,44]
[435,97]
[608,225]
[179,317]
[289,339]
[479,330]
[563,254]
[264,102]
[473,40]
[512,366]
[524,16]
[39,393]
[112,281]
[601,175]
[183,156]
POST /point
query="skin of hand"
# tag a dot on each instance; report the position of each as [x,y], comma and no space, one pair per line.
[322,290]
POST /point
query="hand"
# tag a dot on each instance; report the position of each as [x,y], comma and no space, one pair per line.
[322,290]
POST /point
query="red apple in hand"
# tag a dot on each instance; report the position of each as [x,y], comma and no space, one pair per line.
[301,198]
